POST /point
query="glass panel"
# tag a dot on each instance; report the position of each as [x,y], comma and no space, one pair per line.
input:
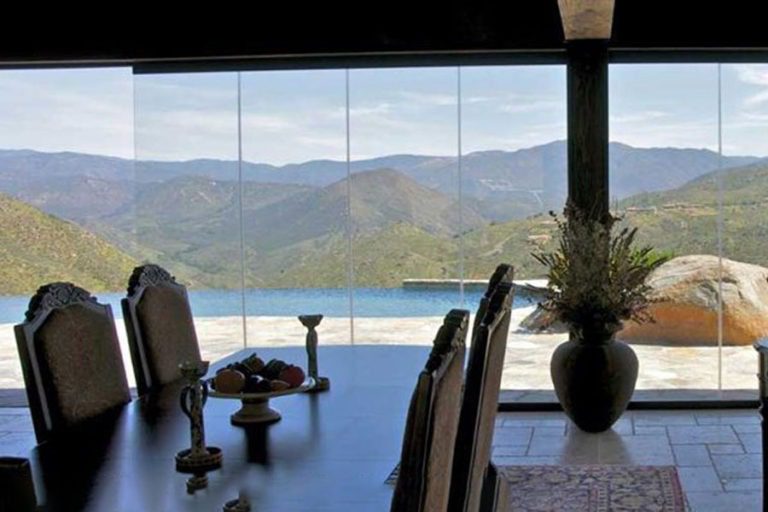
[664,179]
[514,171]
[295,205]
[404,202]
[185,214]
[67,151]
[745,230]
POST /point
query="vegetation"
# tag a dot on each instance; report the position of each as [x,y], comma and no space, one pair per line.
[404,222]
[36,248]
[597,277]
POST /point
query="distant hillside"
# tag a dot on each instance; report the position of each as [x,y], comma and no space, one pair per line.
[500,185]
[186,215]
[36,248]
[684,220]
[192,223]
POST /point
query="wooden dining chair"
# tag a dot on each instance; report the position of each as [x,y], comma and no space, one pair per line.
[425,463]
[70,358]
[472,455]
[18,487]
[504,273]
[160,327]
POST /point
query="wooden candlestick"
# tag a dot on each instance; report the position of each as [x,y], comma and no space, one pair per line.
[199,458]
[310,322]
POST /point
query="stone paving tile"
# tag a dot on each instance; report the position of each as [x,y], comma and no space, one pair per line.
[748,428]
[14,411]
[624,426]
[743,484]
[719,501]
[17,444]
[712,418]
[509,451]
[691,455]
[743,465]
[576,448]
[724,449]
[650,431]
[512,436]
[526,461]
[708,434]
[640,450]
[549,431]
[16,423]
[703,478]
[664,418]
[752,443]
[534,423]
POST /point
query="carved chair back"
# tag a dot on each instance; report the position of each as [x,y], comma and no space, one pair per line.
[504,273]
[480,400]
[70,358]
[160,327]
[424,477]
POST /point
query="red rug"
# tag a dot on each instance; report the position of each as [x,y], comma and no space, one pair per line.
[602,488]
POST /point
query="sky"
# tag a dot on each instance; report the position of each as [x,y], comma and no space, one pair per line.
[295,116]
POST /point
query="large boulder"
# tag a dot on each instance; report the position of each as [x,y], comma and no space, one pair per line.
[686,290]
[542,321]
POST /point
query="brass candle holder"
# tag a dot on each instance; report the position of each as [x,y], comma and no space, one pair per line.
[310,322]
[199,458]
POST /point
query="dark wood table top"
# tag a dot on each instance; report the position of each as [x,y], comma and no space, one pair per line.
[332,451]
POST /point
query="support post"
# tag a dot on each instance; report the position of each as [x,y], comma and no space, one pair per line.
[588,126]
[762,350]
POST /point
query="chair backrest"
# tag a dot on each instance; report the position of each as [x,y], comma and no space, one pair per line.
[70,357]
[424,479]
[18,487]
[160,327]
[504,273]
[480,401]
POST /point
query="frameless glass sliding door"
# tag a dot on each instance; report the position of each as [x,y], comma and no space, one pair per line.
[406,225]
[744,196]
[295,205]
[665,180]
[514,171]
[185,216]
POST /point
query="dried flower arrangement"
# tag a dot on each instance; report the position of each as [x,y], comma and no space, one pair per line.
[597,275]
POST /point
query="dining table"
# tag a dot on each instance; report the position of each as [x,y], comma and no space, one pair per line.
[331,451]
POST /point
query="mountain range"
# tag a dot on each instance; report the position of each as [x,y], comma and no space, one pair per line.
[402,210]
[501,185]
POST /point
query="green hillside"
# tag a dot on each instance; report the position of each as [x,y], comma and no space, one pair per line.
[36,248]
[684,220]
[295,234]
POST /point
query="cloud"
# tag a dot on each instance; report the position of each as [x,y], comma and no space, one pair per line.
[757,75]
[638,117]
[531,105]
[429,99]
[86,110]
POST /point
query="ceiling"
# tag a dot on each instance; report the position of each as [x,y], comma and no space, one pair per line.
[290,34]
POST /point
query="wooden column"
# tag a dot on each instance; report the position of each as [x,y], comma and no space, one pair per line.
[588,125]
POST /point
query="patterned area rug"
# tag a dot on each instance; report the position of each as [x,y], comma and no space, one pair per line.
[593,488]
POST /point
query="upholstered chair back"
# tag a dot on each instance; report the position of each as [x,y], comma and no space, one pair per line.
[424,479]
[504,273]
[70,356]
[480,401]
[160,327]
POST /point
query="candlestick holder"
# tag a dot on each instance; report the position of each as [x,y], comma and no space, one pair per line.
[199,458]
[240,504]
[310,322]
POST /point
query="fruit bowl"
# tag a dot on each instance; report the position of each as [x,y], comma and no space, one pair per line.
[255,406]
